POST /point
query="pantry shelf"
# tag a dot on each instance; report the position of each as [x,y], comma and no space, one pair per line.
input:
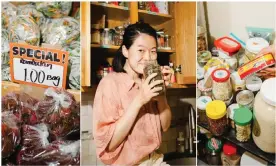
[115,48]
[249,146]
[153,18]
[109,6]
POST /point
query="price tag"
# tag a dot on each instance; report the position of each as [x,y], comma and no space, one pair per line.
[38,66]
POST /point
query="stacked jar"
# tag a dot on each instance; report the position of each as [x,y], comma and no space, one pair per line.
[217,117]
[221,87]
[242,118]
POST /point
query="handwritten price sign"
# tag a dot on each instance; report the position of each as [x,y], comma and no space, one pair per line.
[38,66]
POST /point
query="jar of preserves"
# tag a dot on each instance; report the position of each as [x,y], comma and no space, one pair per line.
[151,66]
[229,155]
[217,117]
[245,98]
[201,108]
[254,46]
[242,118]
[105,37]
[264,116]
[204,91]
[221,87]
[213,150]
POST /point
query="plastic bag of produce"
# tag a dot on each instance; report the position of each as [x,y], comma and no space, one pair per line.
[30,10]
[8,12]
[5,47]
[11,103]
[24,28]
[54,9]
[56,153]
[5,72]
[28,106]
[10,133]
[265,33]
[60,111]
[61,31]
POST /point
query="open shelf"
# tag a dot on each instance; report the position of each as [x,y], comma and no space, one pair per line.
[109,6]
[153,18]
[249,146]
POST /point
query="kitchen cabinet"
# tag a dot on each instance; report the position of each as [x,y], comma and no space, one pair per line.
[180,24]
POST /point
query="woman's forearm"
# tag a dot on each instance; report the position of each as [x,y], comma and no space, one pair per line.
[165,113]
[124,124]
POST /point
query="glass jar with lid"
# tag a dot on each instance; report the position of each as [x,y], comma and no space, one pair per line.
[160,39]
[221,87]
[203,57]
[167,42]
[105,37]
[217,117]
[201,108]
[118,36]
[231,111]
[204,91]
[201,39]
[242,118]
[229,155]
[213,150]
[264,116]
[245,98]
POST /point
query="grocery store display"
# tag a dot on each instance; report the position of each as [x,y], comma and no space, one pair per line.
[30,10]
[54,9]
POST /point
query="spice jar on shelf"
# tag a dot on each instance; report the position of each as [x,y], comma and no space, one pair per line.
[254,46]
[245,98]
[95,34]
[229,155]
[201,108]
[213,150]
[160,39]
[221,86]
[105,37]
[242,118]
[217,117]
[167,42]
[118,36]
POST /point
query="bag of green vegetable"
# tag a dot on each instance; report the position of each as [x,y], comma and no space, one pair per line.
[8,13]
[54,9]
[30,10]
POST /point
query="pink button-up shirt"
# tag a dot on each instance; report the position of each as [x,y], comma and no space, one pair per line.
[114,94]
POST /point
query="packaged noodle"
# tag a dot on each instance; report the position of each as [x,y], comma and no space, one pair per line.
[24,28]
[54,9]
[8,13]
[5,48]
[30,10]
[61,31]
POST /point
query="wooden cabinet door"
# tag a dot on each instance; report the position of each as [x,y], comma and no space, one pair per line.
[85,44]
[185,41]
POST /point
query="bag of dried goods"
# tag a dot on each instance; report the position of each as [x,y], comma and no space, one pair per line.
[24,28]
[10,134]
[30,10]
[54,9]
[56,153]
[61,31]
[5,48]
[11,103]
[60,111]
[8,13]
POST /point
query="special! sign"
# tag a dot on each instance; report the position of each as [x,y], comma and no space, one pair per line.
[38,66]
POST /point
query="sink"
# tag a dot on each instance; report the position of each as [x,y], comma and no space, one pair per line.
[183,161]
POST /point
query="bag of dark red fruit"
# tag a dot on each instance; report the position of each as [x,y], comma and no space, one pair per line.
[10,133]
[60,111]
[11,103]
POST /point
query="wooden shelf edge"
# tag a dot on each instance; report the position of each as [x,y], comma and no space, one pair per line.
[168,16]
[111,6]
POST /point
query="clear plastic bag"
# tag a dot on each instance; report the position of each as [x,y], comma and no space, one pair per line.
[24,28]
[8,14]
[265,33]
[60,111]
[11,103]
[54,9]
[6,76]
[5,47]
[61,31]
[10,133]
[28,109]
[30,10]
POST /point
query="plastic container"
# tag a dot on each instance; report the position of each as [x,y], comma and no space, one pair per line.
[242,118]
[105,37]
[227,45]
[245,98]
[237,83]
[231,60]
[203,57]
[250,159]
[264,116]
[213,150]
[254,46]
[221,88]
[201,39]
[229,155]
[204,91]
[231,111]
[153,67]
[201,108]
[253,83]
[217,117]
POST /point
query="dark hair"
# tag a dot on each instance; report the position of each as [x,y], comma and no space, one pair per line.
[131,33]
